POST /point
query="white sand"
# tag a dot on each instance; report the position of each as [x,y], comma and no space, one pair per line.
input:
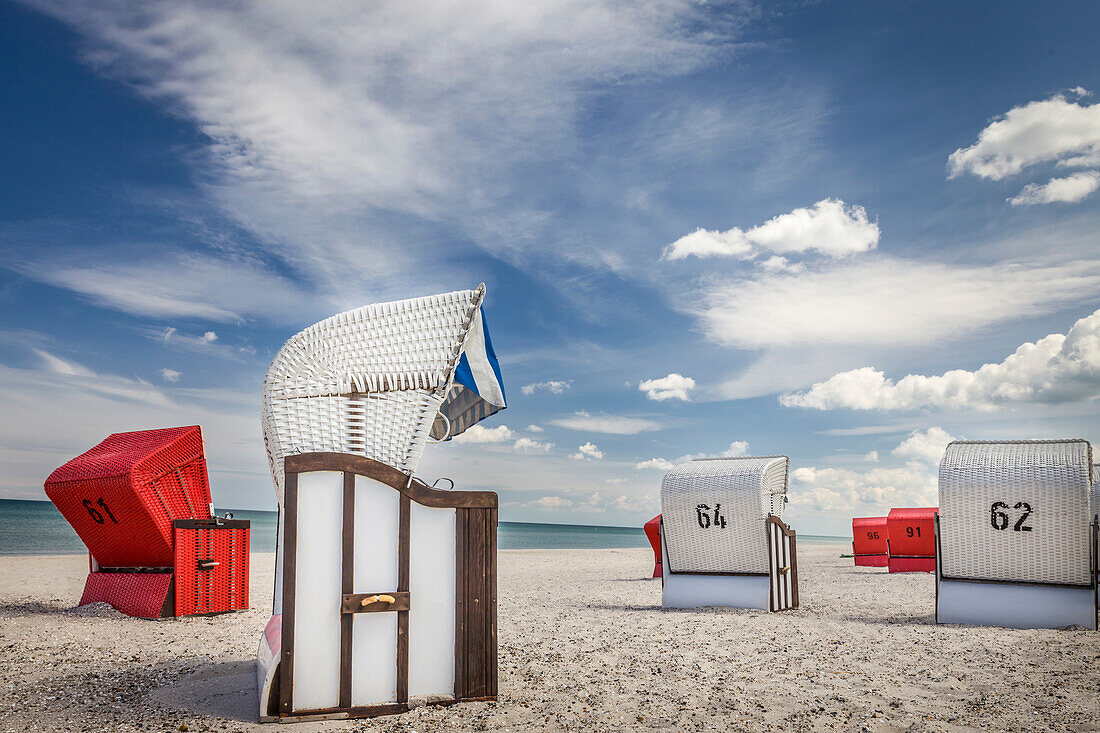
[583,645]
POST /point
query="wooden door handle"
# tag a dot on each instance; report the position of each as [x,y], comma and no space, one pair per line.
[377,599]
[207,564]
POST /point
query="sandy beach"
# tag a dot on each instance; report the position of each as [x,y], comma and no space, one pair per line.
[583,646]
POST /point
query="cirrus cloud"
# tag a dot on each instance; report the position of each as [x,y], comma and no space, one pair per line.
[611,424]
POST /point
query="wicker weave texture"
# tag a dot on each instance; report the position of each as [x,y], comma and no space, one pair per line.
[122,495]
[135,594]
[223,587]
[1095,502]
[1016,511]
[367,382]
[698,496]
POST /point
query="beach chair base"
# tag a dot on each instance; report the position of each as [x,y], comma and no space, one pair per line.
[731,591]
[872,561]
[140,594]
[911,564]
[1014,605]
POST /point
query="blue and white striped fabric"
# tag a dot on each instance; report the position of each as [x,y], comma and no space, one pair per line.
[478,390]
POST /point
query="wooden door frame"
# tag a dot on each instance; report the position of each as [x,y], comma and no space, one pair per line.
[475,583]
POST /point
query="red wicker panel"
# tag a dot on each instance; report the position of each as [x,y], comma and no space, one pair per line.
[135,594]
[912,564]
[223,587]
[912,532]
[122,495]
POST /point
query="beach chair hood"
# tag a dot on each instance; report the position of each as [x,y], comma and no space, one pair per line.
[379,380]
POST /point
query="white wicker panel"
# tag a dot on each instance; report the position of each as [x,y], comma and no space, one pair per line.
[1052,477]
[740,490]
[1095,503]
[367,382]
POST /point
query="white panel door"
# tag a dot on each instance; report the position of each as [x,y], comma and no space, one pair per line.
[316,658]
[374,635]
[432,601]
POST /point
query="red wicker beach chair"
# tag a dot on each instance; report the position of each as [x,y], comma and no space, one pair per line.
[141,503]
[911,540]
[653,533]
[869,541]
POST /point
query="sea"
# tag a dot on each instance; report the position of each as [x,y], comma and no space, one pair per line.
[37,528]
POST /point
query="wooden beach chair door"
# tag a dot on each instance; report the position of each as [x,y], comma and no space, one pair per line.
[389,590]
[783,566]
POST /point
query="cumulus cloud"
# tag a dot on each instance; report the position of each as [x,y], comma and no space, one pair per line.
[534,429]
[526,445]
[736,449]
[1056,129]
[611,424]
[480,434]
[549,502]
[586,451]
[673,387]
[829,227]
[658,463]
[877,489]
[886,301]
[170,375]
[871,457]
[553,387]
[1070,189]
[927,445]
[1056,368]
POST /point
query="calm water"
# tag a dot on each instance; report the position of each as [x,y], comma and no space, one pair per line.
[36,528]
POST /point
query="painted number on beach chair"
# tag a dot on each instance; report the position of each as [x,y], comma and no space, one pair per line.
[872,535]
[703,517]
[94,513]
[999,519]
[912,531]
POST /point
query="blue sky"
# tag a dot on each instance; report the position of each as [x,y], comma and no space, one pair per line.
[843,231]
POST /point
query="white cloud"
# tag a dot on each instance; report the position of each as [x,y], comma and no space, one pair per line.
[553,387]
[611,424]
[672,387]
[549,502]
[534,429]
[480,434]
[829,227]
[658,463]
[1054,129]
[168,283]
[886,301]
[586,451]
[870,456]
[928,445]
[323,121]
[1070,189]
[170,375]
[526,445]
[57,365]
[91,406]
[1056,368]
[874,490]
[209,337]
[736,449]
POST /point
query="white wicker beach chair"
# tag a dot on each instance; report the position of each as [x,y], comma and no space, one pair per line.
[723,542]
[348,407]
[1016,535]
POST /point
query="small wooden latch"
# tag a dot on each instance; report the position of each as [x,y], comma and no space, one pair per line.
[786,569]
[394,600]
[208,564]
